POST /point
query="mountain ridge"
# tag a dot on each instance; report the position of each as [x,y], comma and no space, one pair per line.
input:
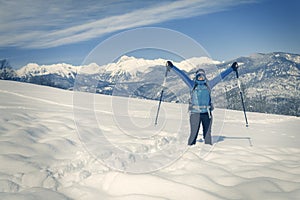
[270,81]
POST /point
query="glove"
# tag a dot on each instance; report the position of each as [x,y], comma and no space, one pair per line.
[235,66]
[169,65]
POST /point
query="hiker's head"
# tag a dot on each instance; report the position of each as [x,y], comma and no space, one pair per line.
[200,76]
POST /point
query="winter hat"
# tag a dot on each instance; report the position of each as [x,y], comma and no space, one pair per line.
[200,71]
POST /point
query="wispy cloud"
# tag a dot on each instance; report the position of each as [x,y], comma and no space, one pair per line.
[34,24]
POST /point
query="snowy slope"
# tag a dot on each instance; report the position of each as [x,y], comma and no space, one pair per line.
[42,156]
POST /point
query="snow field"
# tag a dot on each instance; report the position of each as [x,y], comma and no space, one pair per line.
[42,156]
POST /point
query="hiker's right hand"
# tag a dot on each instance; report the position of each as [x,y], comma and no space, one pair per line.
[169,65]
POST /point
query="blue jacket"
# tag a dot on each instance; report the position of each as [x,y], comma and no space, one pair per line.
[195,101]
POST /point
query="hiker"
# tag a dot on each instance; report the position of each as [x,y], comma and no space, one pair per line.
[200,105]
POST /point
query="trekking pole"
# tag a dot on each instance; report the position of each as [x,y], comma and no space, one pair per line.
[161,95]
[242,98]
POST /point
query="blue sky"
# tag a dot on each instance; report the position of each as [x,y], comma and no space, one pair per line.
[66,31]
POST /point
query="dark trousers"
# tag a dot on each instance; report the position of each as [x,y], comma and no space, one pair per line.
[196,119]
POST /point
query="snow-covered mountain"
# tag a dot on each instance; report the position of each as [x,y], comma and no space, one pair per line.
[270,81]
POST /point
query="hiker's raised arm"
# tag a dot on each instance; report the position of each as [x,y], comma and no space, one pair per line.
[181,74]
[223,74]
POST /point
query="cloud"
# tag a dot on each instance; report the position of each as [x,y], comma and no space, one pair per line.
[34,24]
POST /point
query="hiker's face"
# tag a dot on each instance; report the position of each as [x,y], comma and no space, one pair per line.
[200,78]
